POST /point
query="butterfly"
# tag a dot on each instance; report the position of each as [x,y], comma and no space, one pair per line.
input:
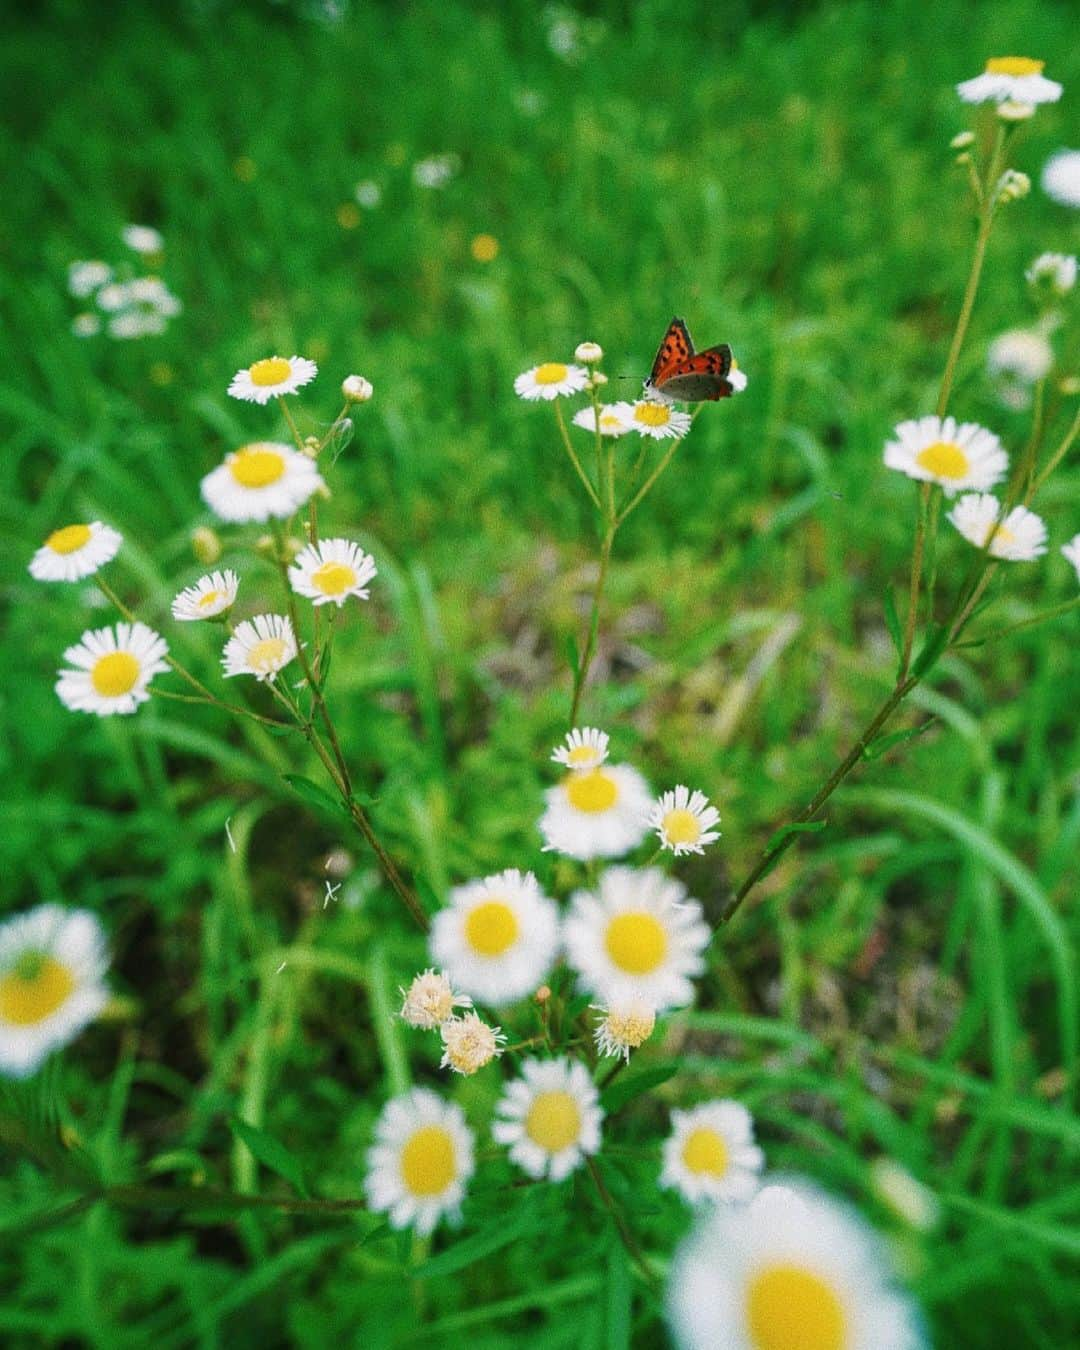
[679,372]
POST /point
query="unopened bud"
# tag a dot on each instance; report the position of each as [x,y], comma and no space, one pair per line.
[355,389]
[588,353]
[542,994]
[1015,112]
[597,379]
[1011,186]
[205,545]
[962,139]
[963,158]
[1070,385]
[311,447]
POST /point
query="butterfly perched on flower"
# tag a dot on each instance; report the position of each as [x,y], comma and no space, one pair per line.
[678,372]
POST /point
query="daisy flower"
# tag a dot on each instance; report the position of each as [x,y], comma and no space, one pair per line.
[585,748]
[737,378]
[469,1043]
[624,1028]
[496,938]
[549,1117]
[87,276]
[430,1000]
[658,419]
[1071,553]
[1061,177]
[260,646]
[791,1270]
[615,419]
[953,456]
[142,239]
[210,596]
[74,552]
[551,380]
[684,821]
[261,481]
[1020,537]
[1010,79]
[331,570]
[710,1153]
[52,964]
[271,377]
[1055,271]
[1017,360]
[637,939]
[113,669]
[598,813]
[420,1162]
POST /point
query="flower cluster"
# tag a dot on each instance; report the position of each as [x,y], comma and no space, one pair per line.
[127,305]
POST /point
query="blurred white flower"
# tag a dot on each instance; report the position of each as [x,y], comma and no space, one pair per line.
[86,277]
[436,170]
[1061,177]
[143,239]
[368,194]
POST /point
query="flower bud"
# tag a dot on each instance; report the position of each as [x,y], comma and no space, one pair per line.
[588,353]
[205,545]
[596,380]
[1015,112]
[311,447]
[355,389]
[1011,186]
[962,140]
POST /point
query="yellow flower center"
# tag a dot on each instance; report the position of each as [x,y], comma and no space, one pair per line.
[551,372]
[427,1161]
[69,539]
[652,414]
[1014,65]
[256,466]
[789,1308]
[491,928]
[274,370]
[591,792]
[581,756]
[34,989]
[209,598]
[681,826]
[636,942]
[1002,536]
[333,578]
[632,1028]
[610,422]
[485,248]
[269,654]
[705,1152]
[943,459]
[115,674]
[554,1121]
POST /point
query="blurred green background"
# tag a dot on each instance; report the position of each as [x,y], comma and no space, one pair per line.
[902,986]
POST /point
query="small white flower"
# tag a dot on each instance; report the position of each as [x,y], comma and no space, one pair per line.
[588,353]
[260,646]
[584,748]
[638,938]
[549,1117]
[616,419]
[210,596]
[792,1269]
[132,323]
[596,813]
[1023,353]
[496,938]
[1061,177]
[906,1196]
[436,171]
[684,821]
[262,481]
[711,1155]
[624,1028]
[368,194]
[75,551]
[430,1000]
[1013,79]
[355,389]
[953,456]
[737,378]
[86,277]
[143,239]
[1020,537]
[1054,271]
[421,1161]
[657,418]
[86,325]
[52,967]
[469,1043]
[331,570]
[272,377]
[551,380]
[112,297]
[1071,553]
[113,669]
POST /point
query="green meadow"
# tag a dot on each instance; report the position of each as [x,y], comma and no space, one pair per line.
[901,986]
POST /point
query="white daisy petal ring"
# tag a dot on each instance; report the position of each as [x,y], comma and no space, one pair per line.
[956,457]
[616,419]
[271,377]
[421,1161]
[262,481]
[657,418]
[113,668]
[260,646]
[596,813]
[1020,537]
[710,1153]
[331,570]
[551,380]
[74,552]
[210,596]
[1010,79]
[684,821]
[584,748]
[549,1118]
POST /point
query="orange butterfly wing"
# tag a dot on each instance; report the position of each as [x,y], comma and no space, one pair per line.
[675,348]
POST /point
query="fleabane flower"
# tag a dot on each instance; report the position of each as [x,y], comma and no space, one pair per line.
[496,938]
[954,456]
[52,967]
[87,276]
[1060,178]
[1055,272]
[113,669]
[469,1043]
[1020,537]
[430,1000]
[1071,553]
[624,1028]
[549,1118]
[1010,79]
[684,821]
[599,813]
[710,1153]
[421,1161]
[584,748]
[260,646]
[75,551]
[791,1270]
[210,596]
[616,419]
[1017,360]
[331,570]
[657,418]
[261,481]
[638,938]
[143,239]
[551,380]
[271,377]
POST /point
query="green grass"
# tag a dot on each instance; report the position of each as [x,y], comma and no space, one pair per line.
[785,182]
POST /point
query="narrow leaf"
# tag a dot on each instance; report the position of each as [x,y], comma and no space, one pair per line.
[624,1090]
[880,744]
[312,793]
[932,649]
[270,1152]
[799,827]
[892,620]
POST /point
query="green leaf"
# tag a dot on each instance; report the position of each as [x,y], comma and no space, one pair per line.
[799,827]
[270,1152]
[624,1090]
[880,744]
[892,620]
[492,1238]
[313,794]
[932,648]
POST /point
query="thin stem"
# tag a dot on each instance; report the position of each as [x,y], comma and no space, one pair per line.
[568,446]
[622,1227]
[594,624]
[1045,617]
[1056,458]
[292,424]
[916,578]
[646,487]
[613,1072]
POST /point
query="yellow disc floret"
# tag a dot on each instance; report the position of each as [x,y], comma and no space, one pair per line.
[333,578]
[592,792]
[705,1152]
[554,1121]
[269,654]
[944,460]
[1014,65]
[68,540]
[636,942]
[652,414]
[427,1161]
[115,674]
[274,370]
[256,466]
[789,1308]
[681,826]
[33,989]
[551,372]
[491,928]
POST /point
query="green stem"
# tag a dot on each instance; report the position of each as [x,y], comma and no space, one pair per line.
[1056,458]
[594,624]
[1045,617]
[646,487]
[621,1226]
[574,460]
